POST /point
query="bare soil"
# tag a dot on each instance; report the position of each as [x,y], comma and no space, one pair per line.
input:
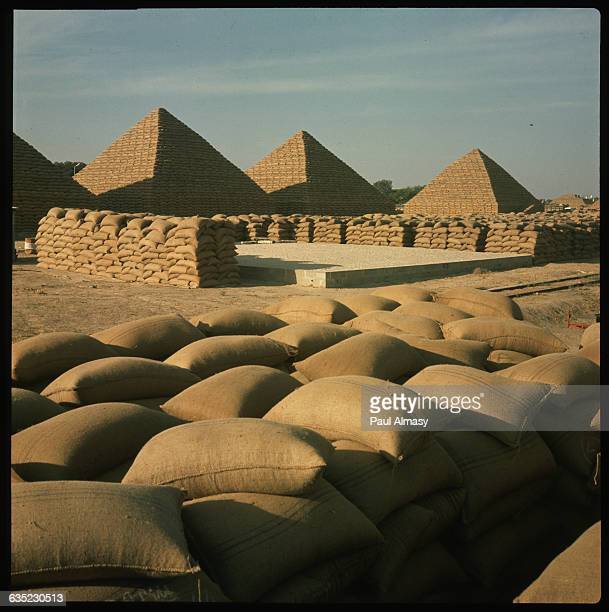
[51,300]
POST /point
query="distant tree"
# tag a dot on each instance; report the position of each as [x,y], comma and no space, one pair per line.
[70,167]
[403,194]
[385,186]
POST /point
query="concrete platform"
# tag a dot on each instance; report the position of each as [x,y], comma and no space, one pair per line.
[351,265]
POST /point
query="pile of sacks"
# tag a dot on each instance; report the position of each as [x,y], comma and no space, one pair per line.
[257,226]
[304,229]
[545,236]
[281,228]
[458,233]
[183,251]
[330,229]
[239,223]
[380,230]
[238,451]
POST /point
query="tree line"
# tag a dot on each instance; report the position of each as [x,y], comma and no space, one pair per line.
[399,196]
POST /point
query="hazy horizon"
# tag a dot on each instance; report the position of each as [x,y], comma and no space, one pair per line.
[395,93]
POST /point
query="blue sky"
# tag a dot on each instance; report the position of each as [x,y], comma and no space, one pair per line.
[396,93]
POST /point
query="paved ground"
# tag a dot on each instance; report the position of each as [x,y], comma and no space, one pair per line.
[350,256]
[47,300]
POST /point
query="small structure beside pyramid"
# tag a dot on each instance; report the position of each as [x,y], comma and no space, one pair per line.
[38,186]
[162,166]
[473,183]
[569,201]
[302,176]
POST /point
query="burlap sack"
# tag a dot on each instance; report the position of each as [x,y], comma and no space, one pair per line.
[216,354]
[507,409]
[480,303]
[454,352]
[254,542]
[333,406]
[501,360]
[95,531]
[488,557]
[377,487]
[82,443]
[432,310]
[363,303]
[29,408]
[115,474]
[46,356]
[579,451]
[395,324]
[310,338]
[592,352]
[503,508]
[591,334]
[573,577]
[404,293]
[368,354]
[555,369]
[404,531]
[325,582]
[245,391]
[300,377]
[236,321]
[310,308]
[196,587]
[491,469]
[233,455]
[505,334]
[153,403]
[431,569]
[155,337]
[118,379]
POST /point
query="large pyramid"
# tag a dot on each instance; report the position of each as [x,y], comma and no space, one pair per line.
[162,166]
[472,184]
[302,176]
[38,186]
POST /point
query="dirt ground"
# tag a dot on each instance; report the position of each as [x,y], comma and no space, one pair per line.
[51,300]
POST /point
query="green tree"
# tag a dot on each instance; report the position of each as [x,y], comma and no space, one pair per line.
[403,194]
[385,186]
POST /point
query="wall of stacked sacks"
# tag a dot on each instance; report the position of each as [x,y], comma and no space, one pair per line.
[545,236]
[155,249]
[223,458]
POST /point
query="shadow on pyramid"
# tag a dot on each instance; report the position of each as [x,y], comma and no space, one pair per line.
[473,183]
[302,176]
[39,185]
[161,166]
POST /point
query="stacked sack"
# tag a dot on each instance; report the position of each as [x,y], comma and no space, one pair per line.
[329,229]
[103,542]
[261,517]
[281,228]
[304,229]
[404,482]
[187,252]
[256,417]
[257,226]
[240,223]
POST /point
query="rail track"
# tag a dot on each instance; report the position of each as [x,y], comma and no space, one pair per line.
[545,286]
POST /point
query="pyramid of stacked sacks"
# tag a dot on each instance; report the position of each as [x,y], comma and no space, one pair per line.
[224,457]
[182,251]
